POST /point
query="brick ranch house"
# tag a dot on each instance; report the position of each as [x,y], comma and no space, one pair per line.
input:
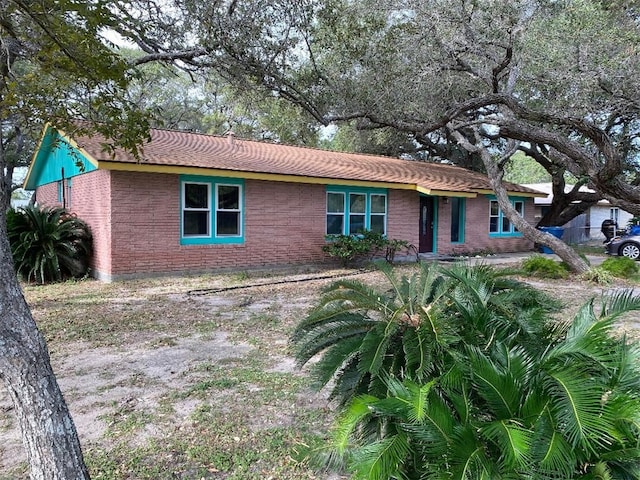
[197,202]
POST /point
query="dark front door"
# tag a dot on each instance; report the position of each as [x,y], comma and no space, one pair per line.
[426,225]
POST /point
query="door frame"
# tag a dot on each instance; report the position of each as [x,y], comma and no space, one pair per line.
[427,239]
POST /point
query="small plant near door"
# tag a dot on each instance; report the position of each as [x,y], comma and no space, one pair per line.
[368,244]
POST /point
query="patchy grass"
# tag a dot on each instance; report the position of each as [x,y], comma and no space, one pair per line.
[165,384]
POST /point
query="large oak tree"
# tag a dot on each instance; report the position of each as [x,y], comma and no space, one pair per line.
[56,65]
[479,79]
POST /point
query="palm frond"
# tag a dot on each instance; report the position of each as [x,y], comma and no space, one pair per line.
[551,454]
[513,441]
[356,412]
[355,295]
[467,456]
[578,409]
[496,386]
[310,339]
[382,460]
[435,429]
[334,359]
[622,301]
[349,382]
[375,346]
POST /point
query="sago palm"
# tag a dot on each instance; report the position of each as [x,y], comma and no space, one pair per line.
[568,410]
[48,244]
[360,332]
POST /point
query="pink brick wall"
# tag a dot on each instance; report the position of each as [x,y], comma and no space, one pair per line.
[135,219]
[476,230]
[284,224]
[48,195]
[90,201]
[403,215]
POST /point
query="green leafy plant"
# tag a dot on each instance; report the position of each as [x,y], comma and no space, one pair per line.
[368,244]
[465,374]
[48,244]
[543,267]
[620,267]
[361,332]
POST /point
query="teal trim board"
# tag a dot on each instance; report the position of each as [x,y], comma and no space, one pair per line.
[212,238]
[55,155]
[367,191]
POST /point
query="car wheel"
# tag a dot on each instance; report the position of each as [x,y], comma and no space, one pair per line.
[630,250]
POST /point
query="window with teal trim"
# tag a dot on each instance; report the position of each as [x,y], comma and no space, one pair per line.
[351,211]
[457,220]
[499,224]
[228,210]
[196,209]
[211,210]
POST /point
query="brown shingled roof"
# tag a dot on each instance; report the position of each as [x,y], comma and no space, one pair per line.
[188,149]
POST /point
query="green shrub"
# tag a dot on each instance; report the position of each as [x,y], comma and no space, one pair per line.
[349,248]
[346,247]
[544,267]
[598,275]
[620,267]
[465,374]
[48,244]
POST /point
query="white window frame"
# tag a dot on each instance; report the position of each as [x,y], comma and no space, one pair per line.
[192,209]
[238,210]
[335,214]
[379,214]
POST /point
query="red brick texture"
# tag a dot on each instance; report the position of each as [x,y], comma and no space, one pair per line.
[135,220]
[476,230]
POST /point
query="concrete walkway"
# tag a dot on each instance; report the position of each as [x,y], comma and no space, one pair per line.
[505,258]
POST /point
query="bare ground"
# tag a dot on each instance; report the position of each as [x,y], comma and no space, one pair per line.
[173,378]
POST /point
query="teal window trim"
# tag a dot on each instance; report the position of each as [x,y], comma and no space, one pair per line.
[212,238]
[461,213]
[501,218]
[368,213]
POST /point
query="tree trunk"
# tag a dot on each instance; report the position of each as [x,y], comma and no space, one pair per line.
[495,173]
[48,432]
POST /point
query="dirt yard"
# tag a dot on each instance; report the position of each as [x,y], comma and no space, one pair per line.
[190,378]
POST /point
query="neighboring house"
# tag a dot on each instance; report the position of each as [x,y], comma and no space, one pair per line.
[17,203]
[587,226]
[199,202]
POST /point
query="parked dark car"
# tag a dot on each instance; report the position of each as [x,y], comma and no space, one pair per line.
[627,245]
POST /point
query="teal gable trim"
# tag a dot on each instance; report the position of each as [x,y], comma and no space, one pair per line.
[53,156]
[212,238]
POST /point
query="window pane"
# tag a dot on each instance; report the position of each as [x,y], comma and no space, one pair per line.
[228,223]
[506,225]
[335,224]
[196,195]
[519,206]
[378,204]
[195,223]
[335,202]
[493,224]
[377,224]
[357,203]
[228,197]
[494,208]
[455,219]
[356,224]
